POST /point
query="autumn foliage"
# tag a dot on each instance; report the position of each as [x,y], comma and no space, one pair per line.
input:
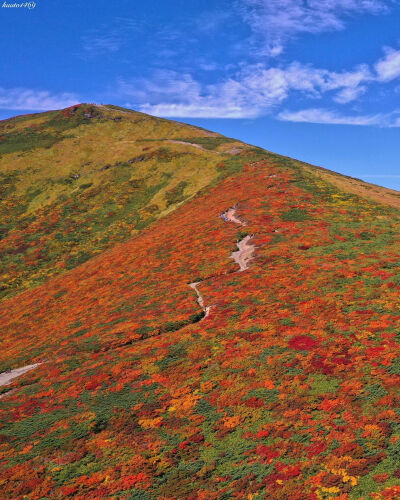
[288,389]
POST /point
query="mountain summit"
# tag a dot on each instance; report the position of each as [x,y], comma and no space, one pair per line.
[186,316]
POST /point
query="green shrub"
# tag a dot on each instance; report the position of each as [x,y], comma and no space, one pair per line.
[27,140]
[175,195]
[295,214]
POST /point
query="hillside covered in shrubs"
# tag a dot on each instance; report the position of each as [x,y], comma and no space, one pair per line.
[166,370]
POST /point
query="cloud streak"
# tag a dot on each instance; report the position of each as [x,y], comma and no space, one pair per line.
[109,39]
[326,116]
[253,91]
[34,100]
[257,90]
[275,22]
[388,68]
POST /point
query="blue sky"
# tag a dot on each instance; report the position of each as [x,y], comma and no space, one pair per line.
[318,80]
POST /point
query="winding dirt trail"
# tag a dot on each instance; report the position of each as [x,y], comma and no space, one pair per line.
[230,216]
[200,300]
[198,146]
[242,256]
[7,377]
[245,251]
[108,109]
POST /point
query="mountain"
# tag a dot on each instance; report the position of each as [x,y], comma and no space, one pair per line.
[75,182]
[195,317]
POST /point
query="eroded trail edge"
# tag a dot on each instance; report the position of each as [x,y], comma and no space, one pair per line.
[200,300]
[244,254]
[230,216]
[8,377]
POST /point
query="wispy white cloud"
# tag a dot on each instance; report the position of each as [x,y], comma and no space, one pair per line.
[34,100]
[326,116]
[171,94]
[257,89]
[109,38]
[165,85]
[352,83]
[349,94]
[395,122]
[252,91]
[197,110]
[110,42]
[208,66]
[175,95]
[318,115]
[274,22]
[388,68]
[211,21]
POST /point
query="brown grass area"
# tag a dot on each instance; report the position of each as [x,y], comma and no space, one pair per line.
[373,192]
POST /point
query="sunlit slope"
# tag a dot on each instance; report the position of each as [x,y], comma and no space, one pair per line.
[288,389]
[76,181]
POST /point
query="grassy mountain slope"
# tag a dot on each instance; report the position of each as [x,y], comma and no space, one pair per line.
[287,389]
[76,181]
